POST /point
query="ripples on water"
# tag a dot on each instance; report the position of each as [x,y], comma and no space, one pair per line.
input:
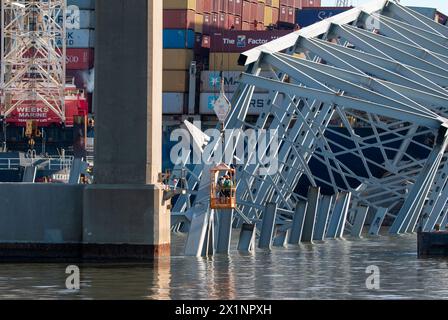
[331,270]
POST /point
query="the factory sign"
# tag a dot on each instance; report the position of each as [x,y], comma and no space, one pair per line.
[240,41]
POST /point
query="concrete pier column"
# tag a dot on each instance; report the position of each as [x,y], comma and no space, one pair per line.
[124,212]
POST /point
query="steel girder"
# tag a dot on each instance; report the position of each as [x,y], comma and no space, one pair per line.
[388,81]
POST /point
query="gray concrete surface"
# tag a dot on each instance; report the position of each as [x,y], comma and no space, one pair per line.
[124,214]
[40,213]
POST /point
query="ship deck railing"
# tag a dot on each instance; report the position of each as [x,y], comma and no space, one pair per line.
[45,163]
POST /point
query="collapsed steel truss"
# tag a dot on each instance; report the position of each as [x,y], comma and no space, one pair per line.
[33,55]
[381,67]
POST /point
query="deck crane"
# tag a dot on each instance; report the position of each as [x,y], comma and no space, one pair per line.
[33,56]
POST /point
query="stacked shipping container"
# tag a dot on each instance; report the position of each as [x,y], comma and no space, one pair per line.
[189,32]
[215,32]
[211,32]
[80,43]
[310,15]
[190,27]
[182,23]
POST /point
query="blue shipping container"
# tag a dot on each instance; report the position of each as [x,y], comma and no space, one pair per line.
[82,4]
[307,17]
[178,39]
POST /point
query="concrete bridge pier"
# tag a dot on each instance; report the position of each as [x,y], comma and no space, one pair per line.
[124,213]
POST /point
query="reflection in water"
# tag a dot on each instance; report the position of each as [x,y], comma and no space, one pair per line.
[330,270]
[160,288]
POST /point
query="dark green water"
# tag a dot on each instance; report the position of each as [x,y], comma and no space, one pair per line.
[332,270]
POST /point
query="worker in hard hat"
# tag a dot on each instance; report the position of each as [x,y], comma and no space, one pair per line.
[220,189]
[228,184]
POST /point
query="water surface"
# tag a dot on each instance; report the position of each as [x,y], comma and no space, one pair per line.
[335,269]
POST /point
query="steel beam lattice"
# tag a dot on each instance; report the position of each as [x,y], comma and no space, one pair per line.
[359,104]
[33,50]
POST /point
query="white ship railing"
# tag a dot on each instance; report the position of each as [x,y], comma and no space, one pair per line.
[47,163]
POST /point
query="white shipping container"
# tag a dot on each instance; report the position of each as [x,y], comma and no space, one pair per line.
[173,103]
[82,4]
[211,81]
[81,19]
[82,38]
[259,101]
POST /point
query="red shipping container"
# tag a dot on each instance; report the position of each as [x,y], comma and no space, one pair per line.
[206,24]
[223,6]
[215,23]
[246,10]
[291,12]
[206,41]
[223,21]
[245,26]
[239,7]
[200,6]
[283,15]
[275,13]
[207,5]
[231,21]
[237,22]
[231,7]
[260,13]
[178,19]
[311,3]
[253,12]
[80,59]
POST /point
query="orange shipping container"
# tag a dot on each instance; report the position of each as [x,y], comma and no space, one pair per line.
[175,81]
